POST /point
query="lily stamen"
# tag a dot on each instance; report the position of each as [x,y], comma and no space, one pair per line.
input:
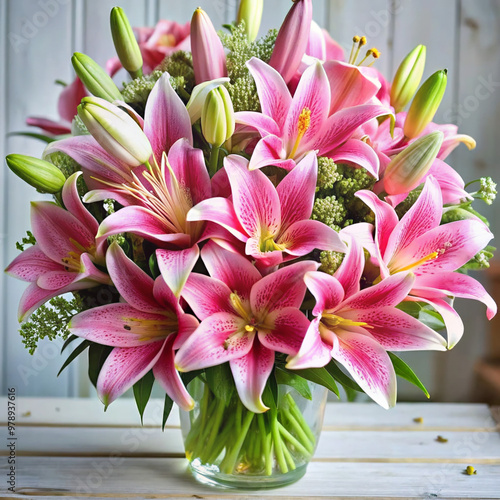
[413,265]
[303,124]
[361,43]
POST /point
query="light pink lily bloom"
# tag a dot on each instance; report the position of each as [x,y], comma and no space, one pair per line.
[356,327]
[329,104]
[273,222]
[144,330]
[418,243]
[245,319]
[69,99]
[65,255]
[156,43]
[322,46]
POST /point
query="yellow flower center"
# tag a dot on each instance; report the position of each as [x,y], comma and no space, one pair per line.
[332,320]
[303,123]
[413,265]
[148,329]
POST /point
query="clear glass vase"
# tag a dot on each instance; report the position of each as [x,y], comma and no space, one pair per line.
[228,445]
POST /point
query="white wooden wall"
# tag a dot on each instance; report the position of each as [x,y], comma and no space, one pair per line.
[37,38]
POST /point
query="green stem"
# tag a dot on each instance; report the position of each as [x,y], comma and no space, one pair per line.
[300,419]
[301,435]
[214,160]
[183,93]
[266,444]
[288,458]
[293,441]
[239,410]
[219,413]
[277,443]
[228,464]
[136,74]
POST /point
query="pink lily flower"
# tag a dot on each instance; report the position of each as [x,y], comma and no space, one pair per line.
[431,251]
[356,327]
[330,103]
[245,319]
[144,330]
[65,255]
[292,39]
[69,99]
[322,46]
[156,43]
[270,221]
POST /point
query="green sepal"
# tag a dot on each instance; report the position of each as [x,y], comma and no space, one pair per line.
[74,354]
[404,371]
[286,377]
[97,356]
[142,392]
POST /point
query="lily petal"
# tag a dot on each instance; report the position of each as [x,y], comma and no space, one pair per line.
[270,151]
[359,153]
[30,264]
[326,289]
[350,271]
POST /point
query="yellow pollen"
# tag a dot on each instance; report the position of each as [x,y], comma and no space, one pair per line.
[360,42]
[303,124]
[239,307]
[249,328]
[332,320]
[373,52]
[356,38]
[413,265]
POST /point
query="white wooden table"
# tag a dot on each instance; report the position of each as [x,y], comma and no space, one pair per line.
[69,448]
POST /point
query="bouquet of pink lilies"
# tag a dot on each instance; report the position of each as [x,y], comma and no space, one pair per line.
[254,212]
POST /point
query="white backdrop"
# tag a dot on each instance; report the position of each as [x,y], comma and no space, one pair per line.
[37,38]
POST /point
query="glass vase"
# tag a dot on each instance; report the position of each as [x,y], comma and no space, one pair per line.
[228,445]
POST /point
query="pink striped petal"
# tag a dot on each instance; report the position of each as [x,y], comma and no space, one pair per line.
[50,126]
[296,191]
[176,265]
[389,292]
[313,93]
[166,119]
[231,268]
[326,289]
[220,211]
[369,365]
[350,271]
[262,122]
[424,215]
[270,151]
[30,264]
[219,338]
[274,96]
[119,325]
[250,373]
[304,236]
[169,379]
[255,199]
[349,85]
[456,285]
[289,328]
[166,298]
[89,271]
[395,330]
[55,280]
[58,232]
[362,232]
[70,98]
[124,367]
[313,353]
[357,152]
[283,288]
[207,296]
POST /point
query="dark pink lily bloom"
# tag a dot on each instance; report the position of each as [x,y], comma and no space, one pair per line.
[331,101]
[418,243]
[145,330]
[65,255]
[356,327]
[69,99]
[273,222]
[156,43]
[245,319]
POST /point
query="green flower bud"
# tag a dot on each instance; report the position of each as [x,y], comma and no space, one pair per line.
[95,79]
[407,78]
[217,117]
[125,42]
[406,170]
[250,11]
[115,130]
[425,104]
[40,174]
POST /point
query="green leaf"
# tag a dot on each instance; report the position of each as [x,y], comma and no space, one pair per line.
[45,138]
[167,408]
[411,308]
[153,266]
[68,341]
[220,380]
[97,356]
[320,376]
[348,383]
[270,394]
[74,354]
[187,377]
[404,371]
[431,318]
[291,379]
[142,392]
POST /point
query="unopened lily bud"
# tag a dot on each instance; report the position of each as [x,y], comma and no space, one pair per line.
[209,59]
[407,78]
[217,117]
[292,39]
[406,170]
[126,45]
[40,174]
[95,79]
[452,214]
[115,131]
[425,104]
[199,96]
[250,11]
